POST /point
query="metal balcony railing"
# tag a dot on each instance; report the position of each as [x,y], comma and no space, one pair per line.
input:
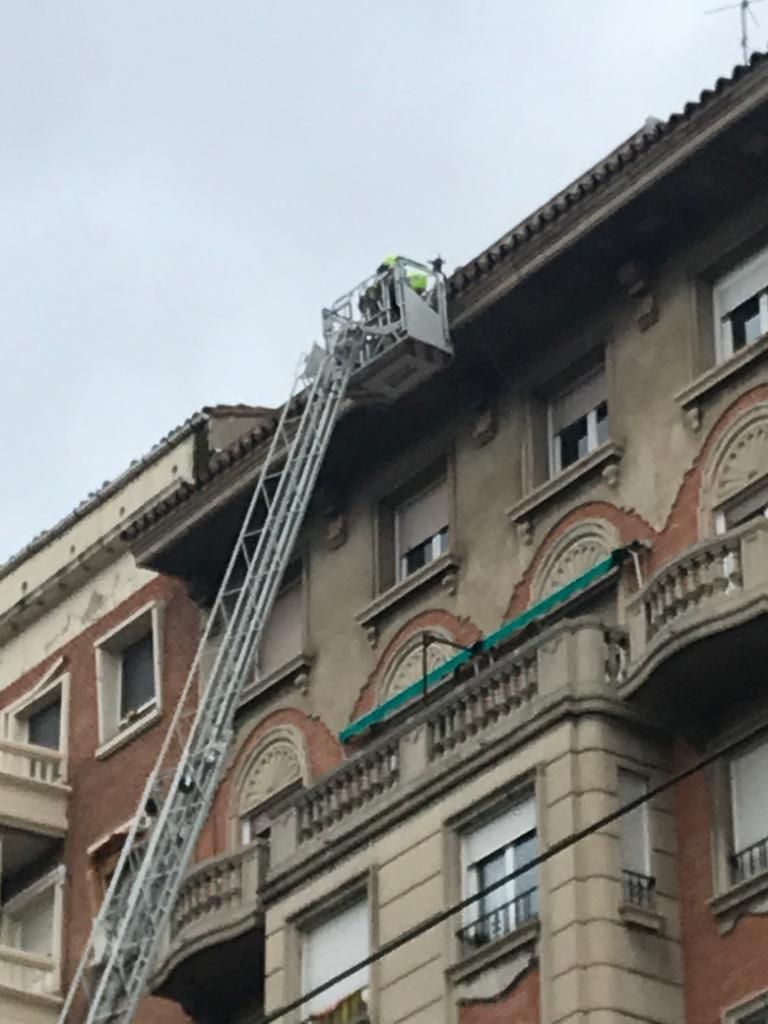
[750,861]
[639,890]
[501,921]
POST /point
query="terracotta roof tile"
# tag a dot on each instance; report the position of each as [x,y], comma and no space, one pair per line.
[625,155]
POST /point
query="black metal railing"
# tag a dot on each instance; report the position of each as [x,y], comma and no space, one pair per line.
[639,890]
[750,861]
[501,920]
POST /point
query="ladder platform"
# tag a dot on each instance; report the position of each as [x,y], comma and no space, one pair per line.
[400,368]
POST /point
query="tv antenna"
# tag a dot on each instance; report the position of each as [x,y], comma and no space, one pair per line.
[744,8]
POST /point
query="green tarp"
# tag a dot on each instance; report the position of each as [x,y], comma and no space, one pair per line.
[440,674]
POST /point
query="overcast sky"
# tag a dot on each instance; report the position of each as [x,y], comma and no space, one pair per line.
[185,183]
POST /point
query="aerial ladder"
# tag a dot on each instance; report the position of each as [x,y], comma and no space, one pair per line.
[380,340]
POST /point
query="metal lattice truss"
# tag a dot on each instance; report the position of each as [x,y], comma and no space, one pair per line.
[360,328]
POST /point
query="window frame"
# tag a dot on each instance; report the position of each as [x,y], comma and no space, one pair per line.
[733,829]
[442,537]
[415,482]
[53,880]
[723,331]
[759,488]
[554,439]
[358,888]
[114,729]
[644,811]
[53,686]
[294,578]
[469,877]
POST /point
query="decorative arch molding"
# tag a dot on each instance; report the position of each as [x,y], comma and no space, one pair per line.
[407,664]
[739,458]
[574,553]
[277,761]
[391,662]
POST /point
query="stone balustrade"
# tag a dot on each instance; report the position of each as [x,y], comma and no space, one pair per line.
[490,698]
[28,761]
[28,973]
[707,581]
[351,786]
[219,898]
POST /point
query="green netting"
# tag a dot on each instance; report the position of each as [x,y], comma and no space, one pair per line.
[442,672]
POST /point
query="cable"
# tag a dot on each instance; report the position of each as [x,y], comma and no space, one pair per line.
[563,844]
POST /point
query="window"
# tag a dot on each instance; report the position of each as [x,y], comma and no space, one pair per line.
[29,919]
[749,812]
[137,678]
[638,882]
[741,306]
[327,949]
[128,677]
[283,639]
[578,421]
[490,853]
[761,1017]
[749,505]
[421,529]
[44,726]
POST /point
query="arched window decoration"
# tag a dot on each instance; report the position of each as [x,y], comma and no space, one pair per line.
[735,485]
[407,666]
[575,553]
[275,767]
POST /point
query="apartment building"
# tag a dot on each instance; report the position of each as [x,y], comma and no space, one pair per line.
[609,393]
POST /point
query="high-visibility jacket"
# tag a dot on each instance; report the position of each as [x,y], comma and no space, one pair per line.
[415,278]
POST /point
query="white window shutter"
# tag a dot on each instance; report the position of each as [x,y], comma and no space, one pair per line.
[36,925]
[284,633]
[573,404]
[422,517]
[749,782]
[500,832]
[331,947]
[635,845]
[746,281]
[747,507]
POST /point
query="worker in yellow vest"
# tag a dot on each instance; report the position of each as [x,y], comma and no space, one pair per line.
[373,303]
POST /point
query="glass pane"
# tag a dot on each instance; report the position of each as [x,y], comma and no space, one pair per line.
[526,898]
[749,778]
[745,323]
[602,422]
[493,912]
[44,727]
[36,925]
[328,949]
[573,443]
[634,825]
[137,683]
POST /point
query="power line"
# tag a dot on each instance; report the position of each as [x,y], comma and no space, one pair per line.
[563,844]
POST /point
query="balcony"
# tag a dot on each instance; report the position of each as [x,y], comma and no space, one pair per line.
[492,704]
[211,957]
[33,795]
[697,628]
[28,986]
[501,921]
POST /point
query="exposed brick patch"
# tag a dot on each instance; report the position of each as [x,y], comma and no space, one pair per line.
[462,631]
[323,752]
[520,1004]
